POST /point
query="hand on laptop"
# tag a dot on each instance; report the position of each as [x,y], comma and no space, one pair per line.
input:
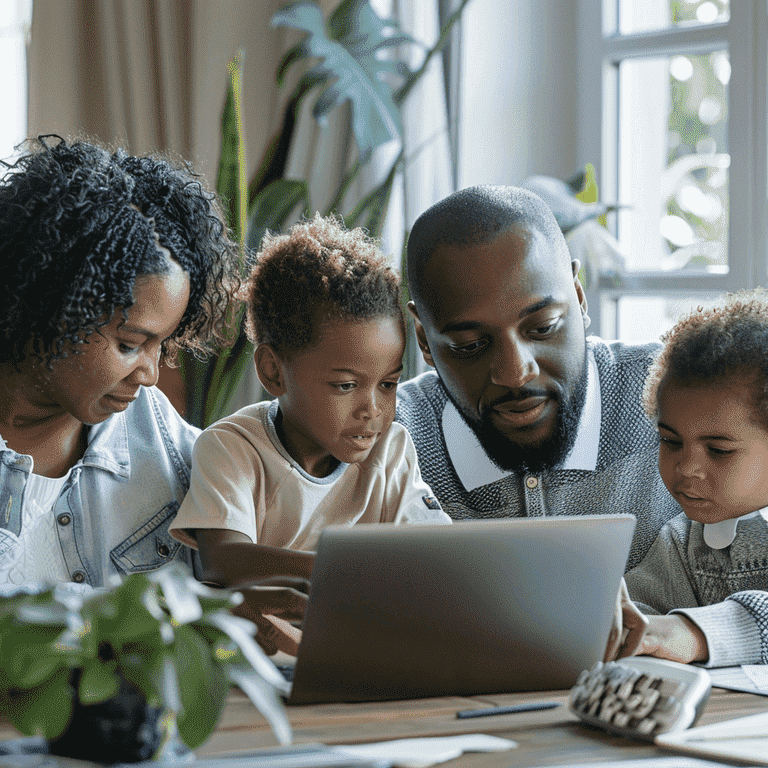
[272,604]
[629,626]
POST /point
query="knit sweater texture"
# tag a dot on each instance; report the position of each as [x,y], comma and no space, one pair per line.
[721,590]
[625,479]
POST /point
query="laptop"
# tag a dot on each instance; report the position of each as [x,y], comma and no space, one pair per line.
[477,607]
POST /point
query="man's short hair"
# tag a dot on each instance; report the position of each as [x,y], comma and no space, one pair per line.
[474,216]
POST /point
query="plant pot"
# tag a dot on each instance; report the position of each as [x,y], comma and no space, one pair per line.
[123,729]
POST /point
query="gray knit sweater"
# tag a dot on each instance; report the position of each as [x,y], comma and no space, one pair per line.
[721,590]
[626,478]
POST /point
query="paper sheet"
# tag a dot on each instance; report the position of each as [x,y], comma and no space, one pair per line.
[418,753]
[654,762]
[758,674]
[750,678]
[745,738]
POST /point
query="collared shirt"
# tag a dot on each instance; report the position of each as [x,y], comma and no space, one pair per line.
[113,514]
[624,477]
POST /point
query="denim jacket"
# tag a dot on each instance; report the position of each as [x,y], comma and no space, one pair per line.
[120,498]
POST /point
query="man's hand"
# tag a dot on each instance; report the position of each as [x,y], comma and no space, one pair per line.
[629,625]
[674,637]
[272,604]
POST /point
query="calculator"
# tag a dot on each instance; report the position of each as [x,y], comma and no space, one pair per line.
[640,696]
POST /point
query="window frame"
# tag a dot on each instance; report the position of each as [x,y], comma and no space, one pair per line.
[744,36]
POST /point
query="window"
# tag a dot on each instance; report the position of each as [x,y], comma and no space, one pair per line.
[674,113]
[15,18]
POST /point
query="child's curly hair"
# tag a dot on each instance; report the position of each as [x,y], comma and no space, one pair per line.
[316,272]
[726,341]
[79,224]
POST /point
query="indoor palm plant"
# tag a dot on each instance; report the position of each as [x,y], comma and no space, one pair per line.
[352,56]
[154,656]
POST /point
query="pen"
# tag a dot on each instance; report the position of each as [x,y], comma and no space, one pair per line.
[507,710]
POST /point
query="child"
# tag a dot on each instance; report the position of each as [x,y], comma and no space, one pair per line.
[324,313]
[708,393]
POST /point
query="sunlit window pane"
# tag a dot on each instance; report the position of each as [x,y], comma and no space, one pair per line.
[646,318]
[653,15]
[15,16]
[674,161]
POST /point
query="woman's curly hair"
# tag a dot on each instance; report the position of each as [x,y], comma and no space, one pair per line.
[723,342]
[79,224]
[317,272]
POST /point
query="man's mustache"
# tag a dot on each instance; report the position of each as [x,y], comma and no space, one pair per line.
[517,395]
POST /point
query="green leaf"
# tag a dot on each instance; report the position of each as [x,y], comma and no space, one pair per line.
[273,205]
[32,665]
[202,684]
[122,616]
[231,183]
[143,666]
[371,211]
[350,65]
[98,682]
[44,710]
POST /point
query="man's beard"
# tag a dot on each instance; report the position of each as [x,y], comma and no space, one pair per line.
[532,457]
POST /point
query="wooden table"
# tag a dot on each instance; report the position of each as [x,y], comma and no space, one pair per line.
[546,737]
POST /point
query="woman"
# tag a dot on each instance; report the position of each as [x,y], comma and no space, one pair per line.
[111,263]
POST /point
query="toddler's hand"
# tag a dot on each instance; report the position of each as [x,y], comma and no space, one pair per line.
[674,637]
[629,625]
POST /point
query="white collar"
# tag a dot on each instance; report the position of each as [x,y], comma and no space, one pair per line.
[475,468]
[720,535]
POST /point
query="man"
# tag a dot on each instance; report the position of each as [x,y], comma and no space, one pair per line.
[524,416]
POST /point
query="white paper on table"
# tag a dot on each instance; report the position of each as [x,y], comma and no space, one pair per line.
[745,738]
[735,679]
[653,762]
[758,674]
[419,753]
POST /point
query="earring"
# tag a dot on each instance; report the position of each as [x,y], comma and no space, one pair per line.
[587,320]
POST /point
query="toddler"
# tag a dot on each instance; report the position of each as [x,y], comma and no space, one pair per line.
[708,393]
[324,314]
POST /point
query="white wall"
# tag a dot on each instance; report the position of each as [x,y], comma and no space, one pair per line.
[518,92]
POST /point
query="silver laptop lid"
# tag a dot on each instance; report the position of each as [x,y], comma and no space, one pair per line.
[476,607]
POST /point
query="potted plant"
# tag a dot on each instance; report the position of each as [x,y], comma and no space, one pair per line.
[125,673]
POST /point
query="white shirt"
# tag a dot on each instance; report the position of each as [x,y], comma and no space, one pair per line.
[243,479]
[34,556]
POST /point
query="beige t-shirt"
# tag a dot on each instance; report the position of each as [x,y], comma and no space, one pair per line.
[244,480]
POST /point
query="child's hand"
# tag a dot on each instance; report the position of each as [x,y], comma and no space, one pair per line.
[674,637]
[629,625]
[272,607]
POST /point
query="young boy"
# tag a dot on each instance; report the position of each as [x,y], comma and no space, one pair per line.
[707,572]
[324,313]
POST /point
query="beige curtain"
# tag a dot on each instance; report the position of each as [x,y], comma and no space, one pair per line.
[150,75]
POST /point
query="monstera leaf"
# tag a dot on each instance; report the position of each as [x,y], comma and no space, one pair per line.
[351,65]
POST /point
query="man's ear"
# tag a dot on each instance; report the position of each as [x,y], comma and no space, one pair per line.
[269,369]
[576,266]
[421,335]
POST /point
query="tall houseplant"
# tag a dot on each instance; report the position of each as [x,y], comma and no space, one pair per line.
[350,56]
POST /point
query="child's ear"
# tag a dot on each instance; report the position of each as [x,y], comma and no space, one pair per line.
[269,369]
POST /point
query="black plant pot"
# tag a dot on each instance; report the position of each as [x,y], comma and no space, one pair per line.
[123,729]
